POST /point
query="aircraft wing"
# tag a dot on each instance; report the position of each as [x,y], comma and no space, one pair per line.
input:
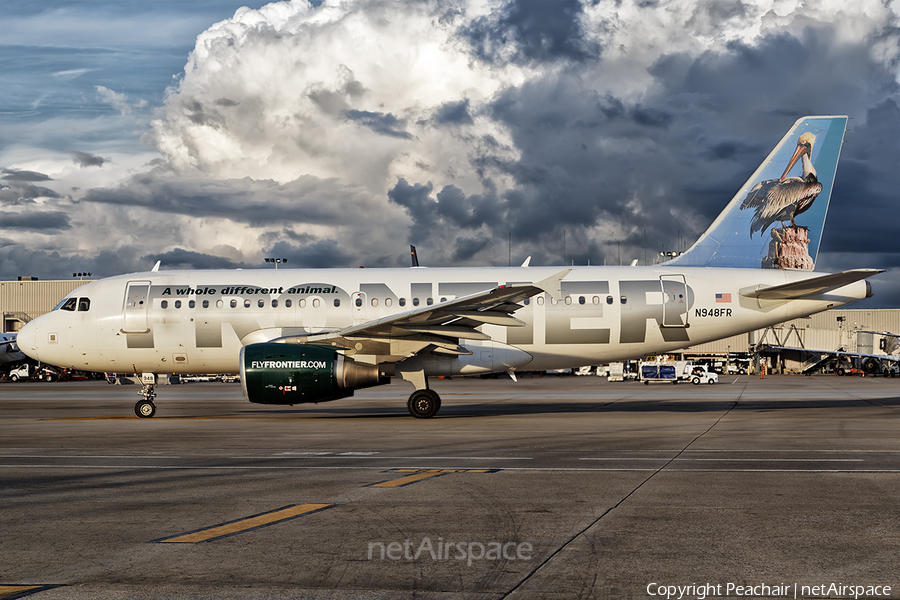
[809,287]
[438,327]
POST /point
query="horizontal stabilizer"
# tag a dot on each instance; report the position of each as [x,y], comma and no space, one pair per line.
[809,287]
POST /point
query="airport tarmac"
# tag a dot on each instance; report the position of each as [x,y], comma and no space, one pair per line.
[551,487]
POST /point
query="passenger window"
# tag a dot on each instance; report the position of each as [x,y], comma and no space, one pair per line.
[415,301]
[234,304]
[402,301]
[337,302]
[596,300]
[178,304]
[443,299]
[624,300]
[430,301]
[247,303]
[261,303]
[315,303]
[568,299]
[359,301]
[527,301]
[609,299]
[164,304]
[84,304]
[274,303]
[302,303]
[192,304]
[287,303]
[69,304]
[374,301]
[206,304]
[540,300]
[388,301]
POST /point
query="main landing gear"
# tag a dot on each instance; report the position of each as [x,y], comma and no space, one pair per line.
[423,404]
[144,408]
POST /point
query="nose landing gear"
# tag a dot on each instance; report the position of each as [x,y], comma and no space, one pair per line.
[144,408]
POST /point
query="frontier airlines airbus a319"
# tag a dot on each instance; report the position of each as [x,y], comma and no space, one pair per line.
[313,335]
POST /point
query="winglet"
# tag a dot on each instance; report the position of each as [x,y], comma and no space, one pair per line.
[553,284]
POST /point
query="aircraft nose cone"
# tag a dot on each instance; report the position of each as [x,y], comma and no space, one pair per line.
[27,340]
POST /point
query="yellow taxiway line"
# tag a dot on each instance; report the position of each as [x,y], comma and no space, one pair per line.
[241,525]
[417,475]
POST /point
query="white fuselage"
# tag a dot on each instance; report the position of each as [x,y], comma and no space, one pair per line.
[197,321]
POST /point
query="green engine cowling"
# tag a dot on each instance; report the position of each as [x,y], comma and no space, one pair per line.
[273,373]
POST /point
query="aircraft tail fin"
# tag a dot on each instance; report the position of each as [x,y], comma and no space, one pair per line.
[775,220]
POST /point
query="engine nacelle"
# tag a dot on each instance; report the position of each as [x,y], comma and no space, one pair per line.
[273,373]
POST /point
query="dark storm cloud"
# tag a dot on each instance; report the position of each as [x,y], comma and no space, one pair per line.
[188,259]
[454,113]
[535,30]
[417,201]
[670,164]
[17,187]
[451,210]
[306,200]
[35,221]
[17,259]
[20,175]
[383,123]
[86,159]
[318,254]
[864,207]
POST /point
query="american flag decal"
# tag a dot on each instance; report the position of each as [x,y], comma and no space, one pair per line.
[723,297]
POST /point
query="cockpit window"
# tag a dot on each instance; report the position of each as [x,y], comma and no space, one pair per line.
[69,304]
[84,304]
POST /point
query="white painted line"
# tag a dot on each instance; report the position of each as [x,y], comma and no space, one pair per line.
[383,467]
[741,459]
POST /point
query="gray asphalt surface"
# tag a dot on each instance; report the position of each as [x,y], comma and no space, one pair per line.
[546,488]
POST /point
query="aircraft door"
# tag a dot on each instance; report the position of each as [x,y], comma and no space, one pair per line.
[137,304]
[358,300]
[675,301]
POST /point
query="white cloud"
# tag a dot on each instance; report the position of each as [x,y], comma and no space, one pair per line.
[118,101]
[289,90]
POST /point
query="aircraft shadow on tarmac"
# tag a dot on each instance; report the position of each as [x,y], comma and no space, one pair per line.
[494,409]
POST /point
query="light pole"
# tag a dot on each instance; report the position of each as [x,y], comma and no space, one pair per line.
[81,276]
[276,261]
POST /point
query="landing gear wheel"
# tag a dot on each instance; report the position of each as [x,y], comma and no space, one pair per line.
[144,409]
[423,404]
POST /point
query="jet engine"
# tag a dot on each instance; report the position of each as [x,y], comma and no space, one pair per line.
[274,373]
